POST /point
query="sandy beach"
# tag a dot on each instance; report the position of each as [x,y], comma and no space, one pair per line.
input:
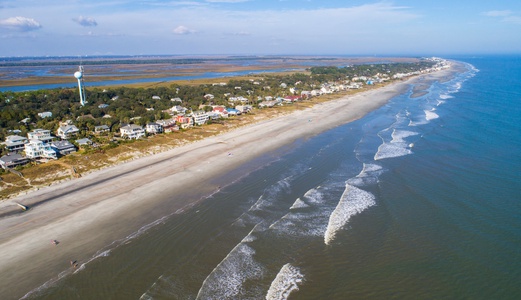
[86,214]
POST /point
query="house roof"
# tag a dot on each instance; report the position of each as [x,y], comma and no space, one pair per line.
[60,145]
[219,109]
[131,126]
[15,139]
[84,141]
[11,157]
[69,128]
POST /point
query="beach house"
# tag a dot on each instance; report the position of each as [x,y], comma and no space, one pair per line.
[244,108]
[101,129]
[38,149]
[184,122]
[15,143]
[221,110]
[45,114]
[132,131]
[63,147]
[12,160]
[67,131]
[233,111]
[42,135]
[169,125]
[82,143]
[154,128]
[200,117]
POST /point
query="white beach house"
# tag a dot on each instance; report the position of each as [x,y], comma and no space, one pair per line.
[66,131]
[42,135]
[38,149]
[200,117]
[132,131]
[15,143]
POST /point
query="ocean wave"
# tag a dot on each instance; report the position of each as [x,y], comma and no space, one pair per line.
[314,196]
[446,96]
[430,115]
[299,204]
[399,135]
[414,123]
[310,222]
[298,225]
[265,202]
[353,201]
[392,150]
[227,279]
[369,175]
[287,281]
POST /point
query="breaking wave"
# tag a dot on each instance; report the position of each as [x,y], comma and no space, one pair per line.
[227,279]
[353,201]
[286,282]
[430,115]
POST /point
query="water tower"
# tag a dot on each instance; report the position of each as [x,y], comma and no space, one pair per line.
[79,75]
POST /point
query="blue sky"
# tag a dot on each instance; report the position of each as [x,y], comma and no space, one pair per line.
[257,27]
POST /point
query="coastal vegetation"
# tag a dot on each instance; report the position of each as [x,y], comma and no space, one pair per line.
[118,106]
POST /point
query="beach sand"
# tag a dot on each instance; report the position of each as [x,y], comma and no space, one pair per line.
[86,214]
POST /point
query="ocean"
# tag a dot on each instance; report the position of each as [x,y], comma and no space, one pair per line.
[419,199]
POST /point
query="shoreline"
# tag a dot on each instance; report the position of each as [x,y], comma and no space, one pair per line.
[81,213]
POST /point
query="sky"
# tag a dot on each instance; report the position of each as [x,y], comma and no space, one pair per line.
[258,27]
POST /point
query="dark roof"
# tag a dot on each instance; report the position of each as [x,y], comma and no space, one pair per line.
[11,157]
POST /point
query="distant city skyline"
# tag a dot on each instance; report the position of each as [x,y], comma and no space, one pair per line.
[257,27]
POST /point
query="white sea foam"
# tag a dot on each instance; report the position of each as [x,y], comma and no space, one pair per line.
[430,115]
[397,146]
[369,168]
[353,201]
[263,203]
[368,175]
[390,150]
[446,96]
[296,225]
[287,281]
[400,135]
[299,204]
[416,123]
[455,88]
[314,195]
[226,280]
[310,222]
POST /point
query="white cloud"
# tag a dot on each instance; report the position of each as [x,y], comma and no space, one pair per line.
[20,24]
[183,30]
[227,1]
[175,3]
[497,13]
[513,19]
[241,33]
[506,16]
[85,21]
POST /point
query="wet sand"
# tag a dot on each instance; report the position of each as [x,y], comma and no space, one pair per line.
[88,213]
